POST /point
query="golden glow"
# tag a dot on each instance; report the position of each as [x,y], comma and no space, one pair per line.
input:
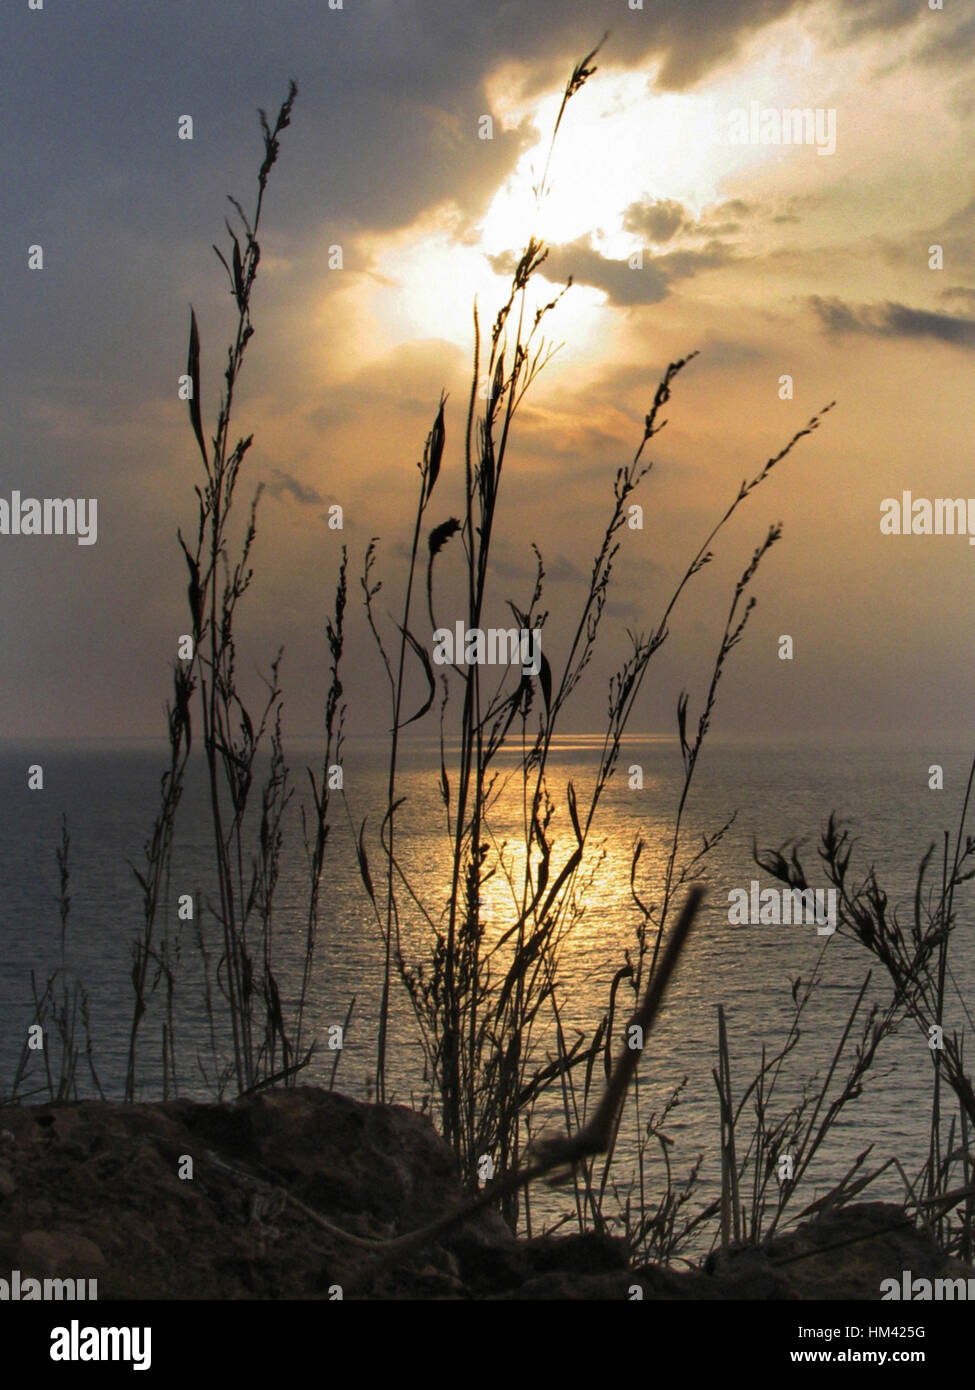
[618,144]
[427,289]
[424,282]
[623,143]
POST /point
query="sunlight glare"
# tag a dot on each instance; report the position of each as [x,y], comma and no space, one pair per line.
[619,144]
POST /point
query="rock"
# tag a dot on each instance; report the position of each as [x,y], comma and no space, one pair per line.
[96,1192]
[591,1253]
[489,1264]
[93,1190]
[60,1255]
[847,1253]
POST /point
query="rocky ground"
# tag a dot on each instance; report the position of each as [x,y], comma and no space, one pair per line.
[93,1190]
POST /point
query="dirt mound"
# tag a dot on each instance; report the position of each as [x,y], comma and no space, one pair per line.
[250,1200]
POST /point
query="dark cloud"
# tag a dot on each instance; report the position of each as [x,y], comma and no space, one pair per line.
[792,210]
[663,219]
[621,282]
[384,129]
[892,320]
[836,316]
[724,219]
[285,483]
[389,94]
[884,15]
[625,284]
[658,221]
[385,126]
[960,292]
[737,207]
[681,265]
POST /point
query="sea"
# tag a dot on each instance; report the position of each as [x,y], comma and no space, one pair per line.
[106,796]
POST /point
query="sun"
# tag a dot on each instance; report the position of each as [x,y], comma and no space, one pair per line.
[619,144]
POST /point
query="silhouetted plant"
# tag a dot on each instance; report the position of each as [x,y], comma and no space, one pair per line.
[61,1012]
[266,1046]
[915,957]
[485,1001]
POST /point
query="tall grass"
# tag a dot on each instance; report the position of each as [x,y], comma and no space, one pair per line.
[60,1024]
[267,1046]
[914,954]
[485,996]
[487,990]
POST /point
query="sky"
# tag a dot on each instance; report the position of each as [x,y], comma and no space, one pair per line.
[811,261]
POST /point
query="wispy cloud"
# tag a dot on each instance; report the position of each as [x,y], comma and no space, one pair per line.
[285,483]
[891,320]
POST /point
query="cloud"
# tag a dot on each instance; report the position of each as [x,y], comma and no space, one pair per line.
[883,15]
[662,219]
[960,292]
[521,569]
[618,280]
[623,283]
[736,207]
[952,44]
[891,320]
[286,483]
[658,220]
[407,380]
[955,234]
[390,96]
[567,438]
[963,220]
